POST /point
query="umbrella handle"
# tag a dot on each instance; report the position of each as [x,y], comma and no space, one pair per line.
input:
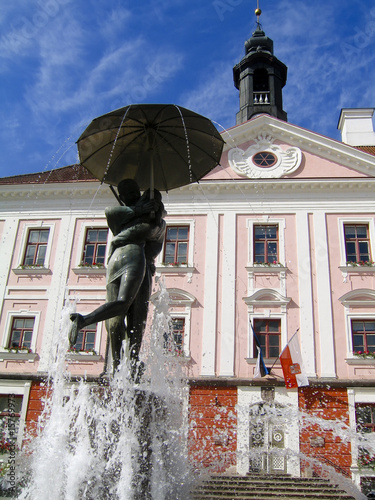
[116,195]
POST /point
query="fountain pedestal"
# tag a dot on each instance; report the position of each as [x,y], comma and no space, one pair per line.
[150,412]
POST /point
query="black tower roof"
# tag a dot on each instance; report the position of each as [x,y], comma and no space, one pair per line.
[260,78]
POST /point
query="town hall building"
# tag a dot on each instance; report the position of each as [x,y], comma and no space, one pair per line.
[277,240]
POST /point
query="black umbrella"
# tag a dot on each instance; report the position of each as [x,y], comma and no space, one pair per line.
[160,146]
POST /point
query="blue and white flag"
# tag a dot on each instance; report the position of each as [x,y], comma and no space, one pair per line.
[260,368]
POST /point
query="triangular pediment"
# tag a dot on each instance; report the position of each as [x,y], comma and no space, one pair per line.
[298,153]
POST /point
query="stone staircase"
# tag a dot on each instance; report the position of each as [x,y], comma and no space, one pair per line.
[267,487]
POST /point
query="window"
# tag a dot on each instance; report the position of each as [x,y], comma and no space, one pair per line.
[357,242]
[36,247]
[176,245]
[174,342]
[10,412]
[363,334]
[365,422]
[264,159]
[266,244]
[268,332]
[365,417]
[178,330]
[86,339]
[21,333]
[95,246]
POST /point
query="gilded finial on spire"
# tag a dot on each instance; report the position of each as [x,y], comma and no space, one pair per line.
[258,13]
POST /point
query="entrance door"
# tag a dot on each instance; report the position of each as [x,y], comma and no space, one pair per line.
[267,439]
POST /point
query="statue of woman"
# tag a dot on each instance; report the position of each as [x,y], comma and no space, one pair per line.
[138,228]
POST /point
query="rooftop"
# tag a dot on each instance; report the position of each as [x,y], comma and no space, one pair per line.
[72,173]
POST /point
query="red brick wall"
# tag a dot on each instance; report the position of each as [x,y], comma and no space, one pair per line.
[213,427]
[325,404]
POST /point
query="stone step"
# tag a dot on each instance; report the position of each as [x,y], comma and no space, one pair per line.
[302,482]
[267,476]
[281,489]
[268,496]
[267,487]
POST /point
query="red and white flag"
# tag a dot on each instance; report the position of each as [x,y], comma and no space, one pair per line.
[292,365]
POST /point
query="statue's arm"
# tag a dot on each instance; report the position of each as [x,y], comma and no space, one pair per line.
[118,216]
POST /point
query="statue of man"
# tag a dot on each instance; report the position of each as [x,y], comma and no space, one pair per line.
[138,228]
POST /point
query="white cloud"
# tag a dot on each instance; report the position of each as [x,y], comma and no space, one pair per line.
[67,61]
[115,22]
[214,97]
[27,22]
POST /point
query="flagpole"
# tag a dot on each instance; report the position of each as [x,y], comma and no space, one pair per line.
[278,357]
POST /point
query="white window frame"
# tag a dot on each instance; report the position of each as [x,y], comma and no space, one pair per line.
[266,221]
[370,221]
[98,336]
[180,222]
[8,326]
[182,299]
[85,225]
[349,317]
[18,388]
[267,315]
[356,395]
[25,236]
[186,340]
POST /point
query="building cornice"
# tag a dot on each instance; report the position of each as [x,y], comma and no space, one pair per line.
[236,194]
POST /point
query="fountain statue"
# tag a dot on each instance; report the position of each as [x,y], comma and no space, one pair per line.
[138,228]
[125,438]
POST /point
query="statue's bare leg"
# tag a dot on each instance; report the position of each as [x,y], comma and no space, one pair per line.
[128,288]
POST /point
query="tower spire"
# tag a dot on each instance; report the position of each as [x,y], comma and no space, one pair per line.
[259,77]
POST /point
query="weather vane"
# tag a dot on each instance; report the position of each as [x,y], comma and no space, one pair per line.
[258,13]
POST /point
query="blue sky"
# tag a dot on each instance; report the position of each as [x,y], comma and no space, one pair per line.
[64,62]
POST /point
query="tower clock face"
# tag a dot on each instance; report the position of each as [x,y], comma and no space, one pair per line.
[264,159]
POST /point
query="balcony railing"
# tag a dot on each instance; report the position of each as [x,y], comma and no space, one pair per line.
[261,97]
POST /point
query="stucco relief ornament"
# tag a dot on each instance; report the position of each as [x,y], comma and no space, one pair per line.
[264,159]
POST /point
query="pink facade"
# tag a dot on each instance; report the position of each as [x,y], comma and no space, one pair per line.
[315,188]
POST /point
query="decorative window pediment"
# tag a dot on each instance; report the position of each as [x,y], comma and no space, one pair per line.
[267,297]
[180,297]
[177,297]
[359,298]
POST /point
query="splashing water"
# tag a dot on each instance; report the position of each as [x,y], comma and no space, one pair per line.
[187,144]
[117,440]
[226,131]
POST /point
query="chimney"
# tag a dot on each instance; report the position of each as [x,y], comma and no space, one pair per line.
[356,126]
